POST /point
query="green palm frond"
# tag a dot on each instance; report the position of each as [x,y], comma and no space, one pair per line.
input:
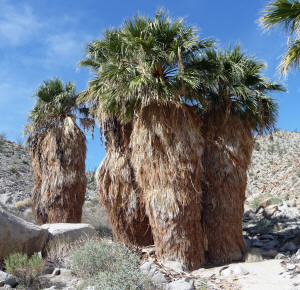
[55,100]
[236,84]
[285,14]
[282,13]
[291,59]
[146,60]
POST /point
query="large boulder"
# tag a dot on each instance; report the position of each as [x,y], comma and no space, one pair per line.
[17,235]
[69,232]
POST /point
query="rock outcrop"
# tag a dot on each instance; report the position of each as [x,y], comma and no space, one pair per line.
[17,235]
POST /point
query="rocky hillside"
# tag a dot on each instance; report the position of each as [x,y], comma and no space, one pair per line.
[274,171]
[16,176]
[275,168]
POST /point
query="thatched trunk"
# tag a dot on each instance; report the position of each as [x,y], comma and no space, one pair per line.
[58,159]
[118,190]
[167,148]
[227,154]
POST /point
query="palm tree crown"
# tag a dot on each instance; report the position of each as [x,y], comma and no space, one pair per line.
[233,83]
[285,14]
[144,61]
[55,100]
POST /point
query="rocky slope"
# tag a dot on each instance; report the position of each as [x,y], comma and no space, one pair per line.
[275,168]
[16,175]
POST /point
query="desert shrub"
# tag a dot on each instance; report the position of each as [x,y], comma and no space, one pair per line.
[26,269]
[57,252]
[23,203]
[14,171]
[275,200]
[256,146]
[108,265]
[255,203]
[264,226]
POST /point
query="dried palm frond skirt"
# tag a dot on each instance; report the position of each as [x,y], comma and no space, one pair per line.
[58,160]
[167,147]
[227,154]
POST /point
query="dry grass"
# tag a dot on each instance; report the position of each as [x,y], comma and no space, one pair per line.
[167,147]
[23,203]
[58,159]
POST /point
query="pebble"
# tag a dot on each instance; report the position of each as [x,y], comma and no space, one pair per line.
[237,270]
[159,278]
[56,272]
[148,268]
[179,285]
[174,265]
[280,256]
[290,266]
[226,272]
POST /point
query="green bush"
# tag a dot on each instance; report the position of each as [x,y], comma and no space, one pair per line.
[26,269]
[108,265]
[264,226]
[14,171]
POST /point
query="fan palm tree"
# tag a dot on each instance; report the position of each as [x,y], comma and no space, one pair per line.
[141,77]
[58,150]
[236,105]
[285,14]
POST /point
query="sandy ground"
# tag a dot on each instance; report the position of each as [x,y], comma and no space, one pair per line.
[263,275]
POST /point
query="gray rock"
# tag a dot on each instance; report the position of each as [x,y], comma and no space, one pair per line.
[272,254]
[258,244]
[290,266]
[270,210]
[266,237]
[148,268]
[17,235]
[179,285]
[7,279]
[290,246]
[174,265]
[227,272]
[291,203]
[237,270]
[253,255]
[68,232]
[159,278]
[280,256]
[56,271]
[6,286]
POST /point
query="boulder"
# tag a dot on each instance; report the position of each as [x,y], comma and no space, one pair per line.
[69,232]
[179,285]
[174,265]
[7,279]
[270,210]
[253,255]
[17,235]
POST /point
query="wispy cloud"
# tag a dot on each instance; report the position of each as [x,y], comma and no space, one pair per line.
[17,27]
[65,48]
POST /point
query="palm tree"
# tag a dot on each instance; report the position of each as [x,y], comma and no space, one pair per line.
[141,76]
[58,150]
[236,105]
[285,14]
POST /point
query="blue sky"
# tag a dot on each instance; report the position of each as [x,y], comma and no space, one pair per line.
[41,39]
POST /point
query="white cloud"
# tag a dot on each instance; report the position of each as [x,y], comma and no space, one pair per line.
[65,48]
[17,26]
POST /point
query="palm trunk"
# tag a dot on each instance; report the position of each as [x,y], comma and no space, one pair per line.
[58,160]
[226,157]
[167,149]
[119,192]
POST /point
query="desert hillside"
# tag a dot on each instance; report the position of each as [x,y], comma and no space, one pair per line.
[275,167]
[274,171]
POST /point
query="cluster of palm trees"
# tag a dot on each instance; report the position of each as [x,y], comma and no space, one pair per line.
[178,117]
